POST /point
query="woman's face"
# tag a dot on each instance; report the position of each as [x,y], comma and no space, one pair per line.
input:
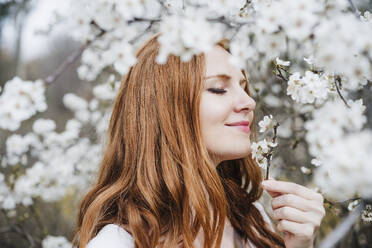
[223,103]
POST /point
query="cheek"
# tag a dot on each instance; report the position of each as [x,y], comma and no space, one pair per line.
[213,112]
[220,139]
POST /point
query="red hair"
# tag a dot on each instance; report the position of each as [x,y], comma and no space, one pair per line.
[156,171]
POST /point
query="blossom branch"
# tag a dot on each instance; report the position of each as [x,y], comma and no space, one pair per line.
[354,8]
[338,84]
[268,155]
[72,58]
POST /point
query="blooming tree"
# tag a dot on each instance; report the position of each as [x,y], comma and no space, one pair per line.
[309,62]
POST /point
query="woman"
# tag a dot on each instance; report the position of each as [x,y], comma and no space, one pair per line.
[177,170]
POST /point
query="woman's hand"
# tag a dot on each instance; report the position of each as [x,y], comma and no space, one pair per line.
[298,210]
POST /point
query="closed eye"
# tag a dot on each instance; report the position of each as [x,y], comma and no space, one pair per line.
[217,91]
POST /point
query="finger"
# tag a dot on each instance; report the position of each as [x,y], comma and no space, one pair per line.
[300,203]
[295,215]
[273,194]
[298,229]
[291,188]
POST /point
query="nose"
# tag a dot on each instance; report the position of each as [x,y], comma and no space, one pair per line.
[245,103]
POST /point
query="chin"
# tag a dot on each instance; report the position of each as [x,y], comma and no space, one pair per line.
[238,155]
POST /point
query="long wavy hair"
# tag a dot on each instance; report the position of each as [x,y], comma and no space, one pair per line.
[156,171]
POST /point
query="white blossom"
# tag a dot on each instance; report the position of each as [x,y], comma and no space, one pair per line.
[347,161]
[55,242]
[330,49]
[367,213]
[222,7]
[316,162]
[19,101]
[305,170]
[185,36]
[325,34]
[7,201]
[353,204]
[74,102]
[121,55]
[41,126]
[106,91]
[241,50]
[282,62]
[266,123]
[309,60]
[260,149]
[308,88]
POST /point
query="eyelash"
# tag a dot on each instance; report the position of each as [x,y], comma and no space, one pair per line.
[217,91]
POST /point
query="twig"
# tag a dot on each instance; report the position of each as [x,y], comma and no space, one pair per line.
[57,73]
[354,8]
[341,202]
[18,229]
[137,19]
[336,235]
[37,218]
[269,154]
[338,81]
[268,166]
[275,131]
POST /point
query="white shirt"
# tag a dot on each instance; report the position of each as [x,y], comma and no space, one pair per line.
[114,236]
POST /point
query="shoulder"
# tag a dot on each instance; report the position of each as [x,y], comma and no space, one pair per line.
[112,236]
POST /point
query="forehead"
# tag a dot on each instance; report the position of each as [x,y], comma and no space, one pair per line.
[216,62]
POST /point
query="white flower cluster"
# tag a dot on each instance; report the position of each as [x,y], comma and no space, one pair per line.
[335,138]
[242,52]
[43,126]
[120,54]
[329,122]
[62,160]
[17,147]
[107,91]
[308,88]
[88,21]
[221,7]
[6,199]
[184,35]
[296,18]
[282,62]
[19,101]
[334,40]
[367,213]
[55,242]
[341,52]
[349,162]
[86,17]
[88,112]
[266,123]
[260,150]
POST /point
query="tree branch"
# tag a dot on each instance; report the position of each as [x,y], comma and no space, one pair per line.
[336,235]
[72,58]
[338,83]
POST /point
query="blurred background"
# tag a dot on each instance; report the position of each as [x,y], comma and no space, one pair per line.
[32,46]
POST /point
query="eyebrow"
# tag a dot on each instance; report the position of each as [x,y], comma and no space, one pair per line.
[227,77]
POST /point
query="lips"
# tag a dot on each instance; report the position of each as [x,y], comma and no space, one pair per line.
[240,123]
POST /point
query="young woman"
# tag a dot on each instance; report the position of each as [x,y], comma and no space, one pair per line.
[177,170]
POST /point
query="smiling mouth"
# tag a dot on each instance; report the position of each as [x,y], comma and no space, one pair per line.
[244,128]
